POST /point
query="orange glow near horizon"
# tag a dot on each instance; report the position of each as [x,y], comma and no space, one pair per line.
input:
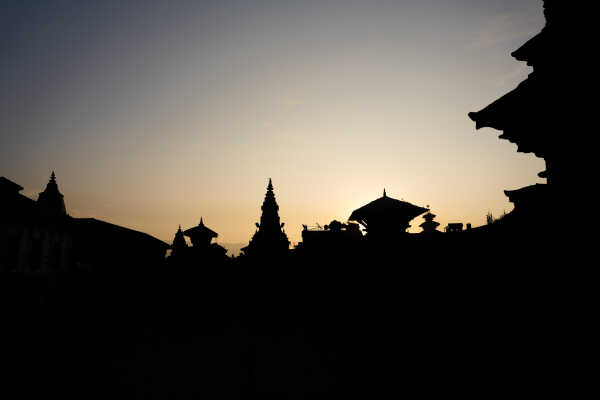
[156,118]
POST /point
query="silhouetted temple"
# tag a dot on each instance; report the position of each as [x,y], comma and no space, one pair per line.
[543,114]
[179,246]
[200,235]
[386,218]
[203,251]
[41,236]
[51,202]
[270,238]
[429,226]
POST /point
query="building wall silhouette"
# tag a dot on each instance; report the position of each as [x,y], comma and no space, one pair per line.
[41,236]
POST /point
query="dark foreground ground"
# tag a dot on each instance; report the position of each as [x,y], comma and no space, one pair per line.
[295,332]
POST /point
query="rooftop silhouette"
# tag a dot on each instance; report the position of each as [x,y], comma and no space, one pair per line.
[97,310]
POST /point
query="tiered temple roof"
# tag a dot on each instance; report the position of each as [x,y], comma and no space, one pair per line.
[429,225]
[270,238]
[200,235]
[386,215]
[543,114]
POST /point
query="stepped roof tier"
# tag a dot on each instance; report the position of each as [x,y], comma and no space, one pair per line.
[518,115]
[546,114]
[386,214]
[200,235]
[429,225]
[200,229]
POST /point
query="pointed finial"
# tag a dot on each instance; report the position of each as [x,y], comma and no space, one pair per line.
[270,186]
[201,222]
[384,194]
[179,228]
[53,176]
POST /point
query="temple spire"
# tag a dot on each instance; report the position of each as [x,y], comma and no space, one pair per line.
[51,201]
[179,245]
[269,238]
[384,194]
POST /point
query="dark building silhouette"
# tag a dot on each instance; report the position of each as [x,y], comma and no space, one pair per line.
[201,236]
[429,226]
[41,236]
[34,235]
[51,202]
[543,115]
[270,238]
[454,227]
[202,252]
[463,313]
[386,218]
[179,245]
[333,238]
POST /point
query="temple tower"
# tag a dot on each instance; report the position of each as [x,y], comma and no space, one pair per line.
[270,238]
[200,235]
[429,226]
[545,114]
[51,202]
[179,245]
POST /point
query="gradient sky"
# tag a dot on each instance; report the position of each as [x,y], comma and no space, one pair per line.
[155,113]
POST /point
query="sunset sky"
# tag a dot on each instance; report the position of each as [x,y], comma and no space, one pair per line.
[156,113]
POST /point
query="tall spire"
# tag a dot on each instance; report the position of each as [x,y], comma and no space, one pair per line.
[52,186]
[51,201]
[270,210]
[384,194]
[179,243]
[270,236]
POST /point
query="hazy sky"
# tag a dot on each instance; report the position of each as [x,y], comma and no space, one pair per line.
[155,113]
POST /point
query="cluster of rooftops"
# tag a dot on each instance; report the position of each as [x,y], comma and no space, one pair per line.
[379,217]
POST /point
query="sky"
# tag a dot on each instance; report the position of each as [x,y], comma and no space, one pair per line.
[156,113]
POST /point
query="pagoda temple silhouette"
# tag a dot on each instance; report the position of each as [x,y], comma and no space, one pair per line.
[429,226]
[386,218]
[202,251]
[541,117]
[270,238]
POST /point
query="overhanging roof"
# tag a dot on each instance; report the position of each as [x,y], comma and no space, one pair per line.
[387,207]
